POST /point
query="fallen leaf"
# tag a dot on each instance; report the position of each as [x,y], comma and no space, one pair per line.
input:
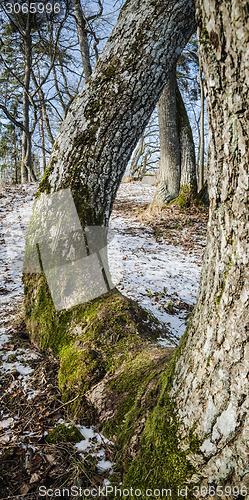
[34,478]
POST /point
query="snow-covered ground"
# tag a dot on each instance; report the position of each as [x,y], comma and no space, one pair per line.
[155,274]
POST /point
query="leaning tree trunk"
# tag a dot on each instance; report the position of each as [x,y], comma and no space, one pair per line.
[205,396]
[177,168]
[96,139]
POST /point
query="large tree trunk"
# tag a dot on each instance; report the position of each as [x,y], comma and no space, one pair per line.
[211,376]
[177,168]
[205,396]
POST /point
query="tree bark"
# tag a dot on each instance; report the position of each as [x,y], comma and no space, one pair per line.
[210,385]
[187,148]
[177,168]
[170,154]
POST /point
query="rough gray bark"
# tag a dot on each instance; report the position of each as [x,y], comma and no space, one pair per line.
[97,137]
[170,153]
[177,168]
[211,377]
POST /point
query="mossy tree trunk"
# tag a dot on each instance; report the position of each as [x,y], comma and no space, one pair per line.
[206,387]
[211,377]
[177,168]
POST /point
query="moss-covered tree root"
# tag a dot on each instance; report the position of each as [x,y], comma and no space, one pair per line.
[110,359]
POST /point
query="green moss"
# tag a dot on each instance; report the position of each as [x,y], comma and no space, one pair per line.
[185,197]
[194,442]
[45,184]
[79,370]
[47,327]
[91,339]
[64,434]
[161,463]
[136,382]
[88,137]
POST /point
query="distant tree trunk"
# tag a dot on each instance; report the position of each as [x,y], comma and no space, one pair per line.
[83,39]
[187,147]
[27,173]
[202,139]
[137,154]
[26,156]
[177,168]
[170,152]
[40,97]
